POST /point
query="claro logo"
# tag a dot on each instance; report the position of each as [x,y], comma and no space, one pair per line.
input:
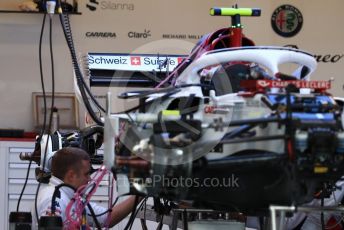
[101,35]
[145,34]
[93,5]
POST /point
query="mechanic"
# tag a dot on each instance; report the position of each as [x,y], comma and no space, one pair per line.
[72,167]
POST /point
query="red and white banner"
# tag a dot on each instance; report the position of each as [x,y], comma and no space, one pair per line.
[261,84]
[298,84]
[133,62]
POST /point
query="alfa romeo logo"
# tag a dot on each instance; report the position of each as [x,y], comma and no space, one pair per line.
[286,20]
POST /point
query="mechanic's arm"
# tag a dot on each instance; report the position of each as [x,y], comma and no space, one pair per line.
[120,211]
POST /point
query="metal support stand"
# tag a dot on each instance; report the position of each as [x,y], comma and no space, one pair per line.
[180,218]
[171,220]
[283,209]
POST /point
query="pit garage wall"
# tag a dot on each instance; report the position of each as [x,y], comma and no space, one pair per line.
[147,27]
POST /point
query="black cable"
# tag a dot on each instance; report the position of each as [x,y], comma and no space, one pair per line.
[57,194]
[52,91]
[322,215]
[44,101]
[42,79]
[39,183]
[51,108]
[24,186]
[68,34]
[137,211]
[64,19]
[185,219]
[132,216]
[143,220]
[113,204]
[80,81]
[94,216]
[52,76]
[36,196]
[161,223]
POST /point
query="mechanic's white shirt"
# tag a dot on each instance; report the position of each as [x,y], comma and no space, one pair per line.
[44,203]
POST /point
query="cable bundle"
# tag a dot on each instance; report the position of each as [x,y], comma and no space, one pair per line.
[75,210]
[84,90]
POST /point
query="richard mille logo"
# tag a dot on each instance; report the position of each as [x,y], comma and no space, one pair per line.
[182,36]
[93,5]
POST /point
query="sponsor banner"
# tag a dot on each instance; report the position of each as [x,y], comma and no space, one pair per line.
[263,84]
[134,62]
[298,84]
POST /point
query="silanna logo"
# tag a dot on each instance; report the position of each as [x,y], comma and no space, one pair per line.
[286,20]
[144,34]
[101,34]
[93,5]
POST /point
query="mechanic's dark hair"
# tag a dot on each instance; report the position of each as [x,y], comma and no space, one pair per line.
[67,158]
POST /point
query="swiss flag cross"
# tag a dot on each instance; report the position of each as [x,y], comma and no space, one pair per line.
[135,60]
[180,59]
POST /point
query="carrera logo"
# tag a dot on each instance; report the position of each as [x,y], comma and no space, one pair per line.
[286,20]
[101,35]
[135,60]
